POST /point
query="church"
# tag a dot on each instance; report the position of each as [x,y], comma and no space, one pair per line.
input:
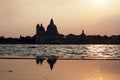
[50,36]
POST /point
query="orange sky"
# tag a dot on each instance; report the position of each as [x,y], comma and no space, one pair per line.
[19,17]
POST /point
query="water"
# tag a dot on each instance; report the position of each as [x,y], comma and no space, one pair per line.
[90,51]
[63,70]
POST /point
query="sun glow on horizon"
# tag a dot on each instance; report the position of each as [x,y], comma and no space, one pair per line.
[99,2]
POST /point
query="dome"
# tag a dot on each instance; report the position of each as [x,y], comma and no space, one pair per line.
[52,29]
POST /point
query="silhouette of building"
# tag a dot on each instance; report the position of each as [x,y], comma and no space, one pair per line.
[83,37]
[40,33]
[50,36]
[52,29]
[76,39]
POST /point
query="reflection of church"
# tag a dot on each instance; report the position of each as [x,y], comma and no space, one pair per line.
[52,36]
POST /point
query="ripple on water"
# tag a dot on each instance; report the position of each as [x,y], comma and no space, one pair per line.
[60,50]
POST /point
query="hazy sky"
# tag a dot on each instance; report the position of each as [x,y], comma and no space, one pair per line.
[19,17]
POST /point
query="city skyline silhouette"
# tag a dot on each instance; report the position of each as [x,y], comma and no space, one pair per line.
[52,36]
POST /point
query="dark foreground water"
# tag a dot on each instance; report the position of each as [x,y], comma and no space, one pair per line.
[64,51]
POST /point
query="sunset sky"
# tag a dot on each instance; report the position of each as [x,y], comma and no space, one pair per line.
[19,17]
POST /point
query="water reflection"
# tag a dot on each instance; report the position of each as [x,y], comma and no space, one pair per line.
[83,69]
[39,60]
[51,60]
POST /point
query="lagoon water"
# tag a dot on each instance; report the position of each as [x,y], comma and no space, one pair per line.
[24,69]
[63,70]
[64,51]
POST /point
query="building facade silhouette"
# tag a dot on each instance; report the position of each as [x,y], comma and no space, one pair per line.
[50,36]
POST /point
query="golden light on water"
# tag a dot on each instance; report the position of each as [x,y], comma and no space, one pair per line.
[101,51]
[101,78]
[97,75]
[63,69]
[96,78]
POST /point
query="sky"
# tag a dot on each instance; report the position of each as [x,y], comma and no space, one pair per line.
[19,17]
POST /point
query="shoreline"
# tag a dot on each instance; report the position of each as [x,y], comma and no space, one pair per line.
[59,58]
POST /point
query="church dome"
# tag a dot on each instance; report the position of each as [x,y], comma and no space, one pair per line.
[52,29]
